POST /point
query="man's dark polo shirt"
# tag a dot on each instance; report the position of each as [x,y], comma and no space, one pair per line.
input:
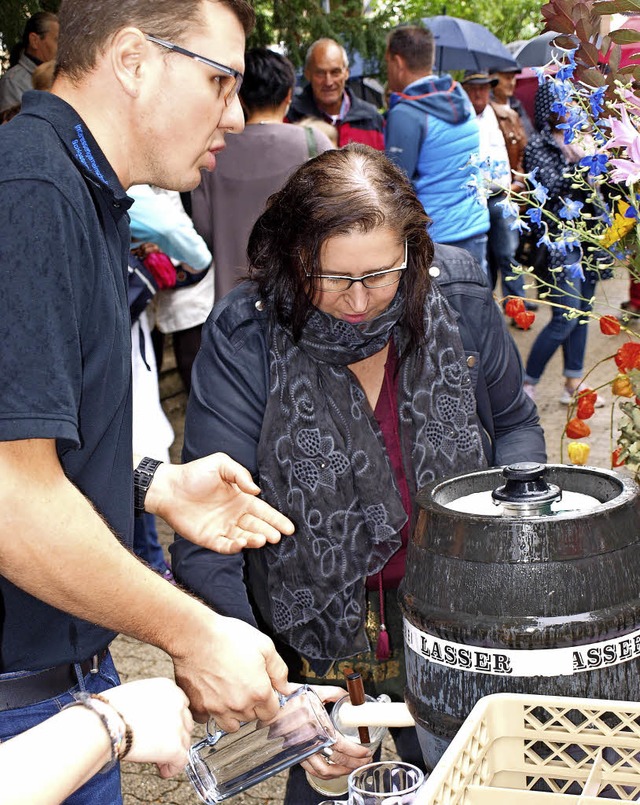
[65,344]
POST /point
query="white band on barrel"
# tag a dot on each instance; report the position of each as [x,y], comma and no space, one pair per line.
[523,662]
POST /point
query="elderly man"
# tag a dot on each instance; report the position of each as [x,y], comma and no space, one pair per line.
[327,97]
[39,44]
[144,93]
[502,142]
[432,135]
[503,93]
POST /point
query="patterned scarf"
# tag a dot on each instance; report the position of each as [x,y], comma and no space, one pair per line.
[322,461]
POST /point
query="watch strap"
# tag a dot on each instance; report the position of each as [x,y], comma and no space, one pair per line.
[142,478]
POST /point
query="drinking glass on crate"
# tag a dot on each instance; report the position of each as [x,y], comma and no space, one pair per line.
[224,764]
[384,783]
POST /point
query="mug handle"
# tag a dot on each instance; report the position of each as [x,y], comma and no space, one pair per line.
[212,737]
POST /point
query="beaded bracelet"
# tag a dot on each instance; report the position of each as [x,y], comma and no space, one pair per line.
[119,732]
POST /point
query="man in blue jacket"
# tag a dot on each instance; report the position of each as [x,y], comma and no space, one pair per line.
[432,134]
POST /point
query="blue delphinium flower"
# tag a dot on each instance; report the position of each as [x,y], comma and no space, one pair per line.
[570,209]
[535,215]
[574,270]
[539,192]
[596,163]
[574,122]
[596,102]
[566,71]
[509,209]
[520,224]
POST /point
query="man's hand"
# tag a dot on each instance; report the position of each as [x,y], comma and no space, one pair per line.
[213,502]
[232,674]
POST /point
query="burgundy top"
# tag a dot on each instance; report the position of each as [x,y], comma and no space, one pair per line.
[386,413]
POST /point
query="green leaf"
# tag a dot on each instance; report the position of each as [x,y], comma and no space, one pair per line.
[624,36]
[616,6]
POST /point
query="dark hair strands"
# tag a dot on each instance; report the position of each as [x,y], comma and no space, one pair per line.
[353,189]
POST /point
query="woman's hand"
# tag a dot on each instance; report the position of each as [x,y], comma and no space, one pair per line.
[158,713]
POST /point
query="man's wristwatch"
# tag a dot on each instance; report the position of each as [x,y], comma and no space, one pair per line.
[142,477]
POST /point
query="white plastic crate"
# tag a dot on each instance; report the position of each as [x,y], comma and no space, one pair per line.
[522,749]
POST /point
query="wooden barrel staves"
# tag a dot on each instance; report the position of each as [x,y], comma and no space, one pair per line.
[538,600]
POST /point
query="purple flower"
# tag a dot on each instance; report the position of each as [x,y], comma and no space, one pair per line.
[570,209]
[624,132]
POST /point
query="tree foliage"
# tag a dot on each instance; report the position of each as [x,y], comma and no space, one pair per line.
[294,24]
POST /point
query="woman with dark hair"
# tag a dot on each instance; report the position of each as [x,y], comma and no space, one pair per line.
[345,381]
[254,164]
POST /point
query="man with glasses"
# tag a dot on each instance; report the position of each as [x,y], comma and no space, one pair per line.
[144,93]
[328,97]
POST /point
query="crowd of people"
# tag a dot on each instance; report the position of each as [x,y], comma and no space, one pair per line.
[328,282]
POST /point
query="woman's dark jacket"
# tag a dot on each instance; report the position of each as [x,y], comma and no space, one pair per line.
[229,393]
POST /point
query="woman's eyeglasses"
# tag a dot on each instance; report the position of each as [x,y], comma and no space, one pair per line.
[230,82]
[336,283]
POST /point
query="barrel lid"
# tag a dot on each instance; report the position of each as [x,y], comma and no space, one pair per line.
[526,485]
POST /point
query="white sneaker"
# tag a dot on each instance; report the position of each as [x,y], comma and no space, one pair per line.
[569,397]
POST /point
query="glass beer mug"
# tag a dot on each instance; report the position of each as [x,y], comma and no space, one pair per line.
[224,764]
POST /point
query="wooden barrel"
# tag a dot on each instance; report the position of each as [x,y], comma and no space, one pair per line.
[544,604]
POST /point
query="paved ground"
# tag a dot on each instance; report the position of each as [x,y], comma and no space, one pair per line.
[141,783]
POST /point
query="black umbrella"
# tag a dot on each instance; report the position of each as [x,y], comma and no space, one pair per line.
[538,51]
[465,45]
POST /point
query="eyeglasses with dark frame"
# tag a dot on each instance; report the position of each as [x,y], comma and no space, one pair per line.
[230,83]
[337,283]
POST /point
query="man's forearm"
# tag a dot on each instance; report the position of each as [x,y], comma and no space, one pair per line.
[66,555]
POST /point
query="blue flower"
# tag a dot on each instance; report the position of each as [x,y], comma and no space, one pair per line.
[631,212]
[573,124]
[566,71]
[596,163]
[535,215]
[540,74]
[570,209]
[521,225]
[509,209]
[574,270]
[545,240]
[595,102]
[540,192]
